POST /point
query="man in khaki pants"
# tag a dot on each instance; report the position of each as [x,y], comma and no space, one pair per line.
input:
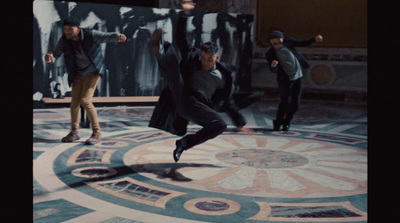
[85,65]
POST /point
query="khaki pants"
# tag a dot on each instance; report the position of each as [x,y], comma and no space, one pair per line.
[82,93]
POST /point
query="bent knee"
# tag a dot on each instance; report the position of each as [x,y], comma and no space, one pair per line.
[86,102]
[221,125]
[75,103]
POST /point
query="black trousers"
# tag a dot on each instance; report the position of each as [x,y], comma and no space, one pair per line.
[290,95]
[192,107]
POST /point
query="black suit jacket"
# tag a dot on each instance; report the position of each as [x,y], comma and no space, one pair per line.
[165,115]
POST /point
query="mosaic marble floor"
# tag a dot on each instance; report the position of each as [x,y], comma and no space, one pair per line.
[316,172]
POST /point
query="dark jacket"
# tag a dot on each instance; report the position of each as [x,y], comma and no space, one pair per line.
[89,46]
[290,43]
[165,115]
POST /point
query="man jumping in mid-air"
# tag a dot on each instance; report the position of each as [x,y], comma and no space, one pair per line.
[196,83]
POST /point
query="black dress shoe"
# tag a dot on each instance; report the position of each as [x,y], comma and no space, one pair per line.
[286,127]
[277,125]
[178,151]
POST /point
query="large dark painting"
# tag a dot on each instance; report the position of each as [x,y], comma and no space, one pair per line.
[131,69]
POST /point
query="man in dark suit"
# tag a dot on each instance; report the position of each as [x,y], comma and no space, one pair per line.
[197,85]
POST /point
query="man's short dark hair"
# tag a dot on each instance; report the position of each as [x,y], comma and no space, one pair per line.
[195,1]
[209,47]
[70,22]
[276,34]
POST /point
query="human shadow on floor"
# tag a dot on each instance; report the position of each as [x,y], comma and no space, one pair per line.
[256,130]
[161,170]
[168,170]
[42,140]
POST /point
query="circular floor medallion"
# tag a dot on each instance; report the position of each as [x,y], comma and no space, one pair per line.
[212,206]
[230,177]
[94,172]
[298,165]
[262,158]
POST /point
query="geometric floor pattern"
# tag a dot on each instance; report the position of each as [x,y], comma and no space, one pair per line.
[316,172]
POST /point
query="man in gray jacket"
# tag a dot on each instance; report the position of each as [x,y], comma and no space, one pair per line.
[85,65]
[287,62]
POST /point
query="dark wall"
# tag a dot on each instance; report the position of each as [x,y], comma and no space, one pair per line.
[145,3]
[343,23]
[131,68]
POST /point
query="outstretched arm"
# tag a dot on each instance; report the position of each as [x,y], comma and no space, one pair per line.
[189,54]
[238,119]
[301,43]
[102,37]
[181,37]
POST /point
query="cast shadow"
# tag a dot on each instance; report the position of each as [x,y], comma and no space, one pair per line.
[161,170]
[168,170]
[42,140]
[256,130]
